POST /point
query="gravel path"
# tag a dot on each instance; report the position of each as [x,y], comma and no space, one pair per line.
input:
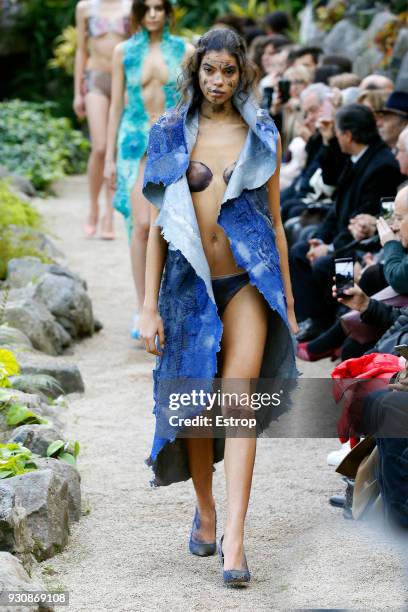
[129,551]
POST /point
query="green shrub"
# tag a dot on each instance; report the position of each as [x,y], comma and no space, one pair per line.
[15,212]
[38,146]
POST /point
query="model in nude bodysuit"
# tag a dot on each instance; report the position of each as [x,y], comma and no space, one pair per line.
[101,25]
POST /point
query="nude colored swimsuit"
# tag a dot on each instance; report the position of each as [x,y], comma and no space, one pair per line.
[199,177]
[99,81]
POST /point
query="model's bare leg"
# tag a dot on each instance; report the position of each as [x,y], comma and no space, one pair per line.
[140,234]
[97,109]
[200,457]
[242,359]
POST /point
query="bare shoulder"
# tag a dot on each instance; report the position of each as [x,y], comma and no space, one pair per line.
[82,8]
[189,51]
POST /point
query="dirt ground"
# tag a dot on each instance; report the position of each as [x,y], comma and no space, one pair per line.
[129,551]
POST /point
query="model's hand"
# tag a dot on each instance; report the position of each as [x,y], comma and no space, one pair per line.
[79,106]
[150,327]
[109,173]
[292,320]
[385,232]
[356,298]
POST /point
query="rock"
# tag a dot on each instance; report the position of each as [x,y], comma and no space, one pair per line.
[24,270]
[20,183]
[44,497]
[13,577]
[71,476]
[402,78]
[62,292]
[38,241]
[341,38]
[35,437]
[14,533]
[66,298]
[98,325]
[367,61]
[30,316]
[12,337]
[66,373]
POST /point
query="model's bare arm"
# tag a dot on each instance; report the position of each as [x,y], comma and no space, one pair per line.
[81,57]
[115,113]
[151,324]
[274,207]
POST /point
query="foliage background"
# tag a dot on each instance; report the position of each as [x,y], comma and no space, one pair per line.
[29,31]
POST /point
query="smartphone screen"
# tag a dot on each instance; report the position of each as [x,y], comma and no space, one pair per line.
[284,90]
[344,269]
[267,98]
[387,207]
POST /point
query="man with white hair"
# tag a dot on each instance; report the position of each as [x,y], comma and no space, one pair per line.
[402,151]
[312,101]
[377,81]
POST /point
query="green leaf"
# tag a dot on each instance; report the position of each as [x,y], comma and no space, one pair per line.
[18,414]
[5,473]
[77,448]
[68,458]
[54,447]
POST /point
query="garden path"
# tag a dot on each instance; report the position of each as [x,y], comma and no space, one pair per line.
[129,551]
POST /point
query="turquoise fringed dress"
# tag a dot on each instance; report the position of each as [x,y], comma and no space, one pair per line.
[134,127]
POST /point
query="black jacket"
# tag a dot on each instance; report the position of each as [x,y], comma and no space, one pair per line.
[360,187]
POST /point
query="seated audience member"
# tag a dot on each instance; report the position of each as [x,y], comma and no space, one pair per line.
[323,74]
[394,239]
[290,111]
[374,99]
[344,80]
[277,22]
[251,33]
[377,81]
[393,118]
[343,62]
[263,51]
[350,95]
[233,22]
[311,101]
[402,151]
[370,173]
[306,56]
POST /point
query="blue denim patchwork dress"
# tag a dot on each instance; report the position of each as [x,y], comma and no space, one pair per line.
[192,326]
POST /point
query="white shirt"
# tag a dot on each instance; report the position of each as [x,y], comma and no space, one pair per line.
[355,158]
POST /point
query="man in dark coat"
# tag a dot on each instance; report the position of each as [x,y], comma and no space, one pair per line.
[370,173]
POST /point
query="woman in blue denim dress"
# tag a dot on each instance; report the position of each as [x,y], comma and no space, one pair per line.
[218,296]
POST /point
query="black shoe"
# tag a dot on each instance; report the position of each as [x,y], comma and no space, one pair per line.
[309,329]
[338,501]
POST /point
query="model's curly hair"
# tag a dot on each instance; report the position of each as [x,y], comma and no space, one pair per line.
[218,39]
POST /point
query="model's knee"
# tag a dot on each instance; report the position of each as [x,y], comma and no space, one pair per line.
[141,230]
[99,151]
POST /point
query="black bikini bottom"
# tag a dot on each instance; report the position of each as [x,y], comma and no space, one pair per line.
[225,287]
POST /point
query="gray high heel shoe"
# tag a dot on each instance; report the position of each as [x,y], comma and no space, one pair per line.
[201,549]
[233,577]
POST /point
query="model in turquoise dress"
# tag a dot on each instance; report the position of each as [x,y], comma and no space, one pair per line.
[135,123]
